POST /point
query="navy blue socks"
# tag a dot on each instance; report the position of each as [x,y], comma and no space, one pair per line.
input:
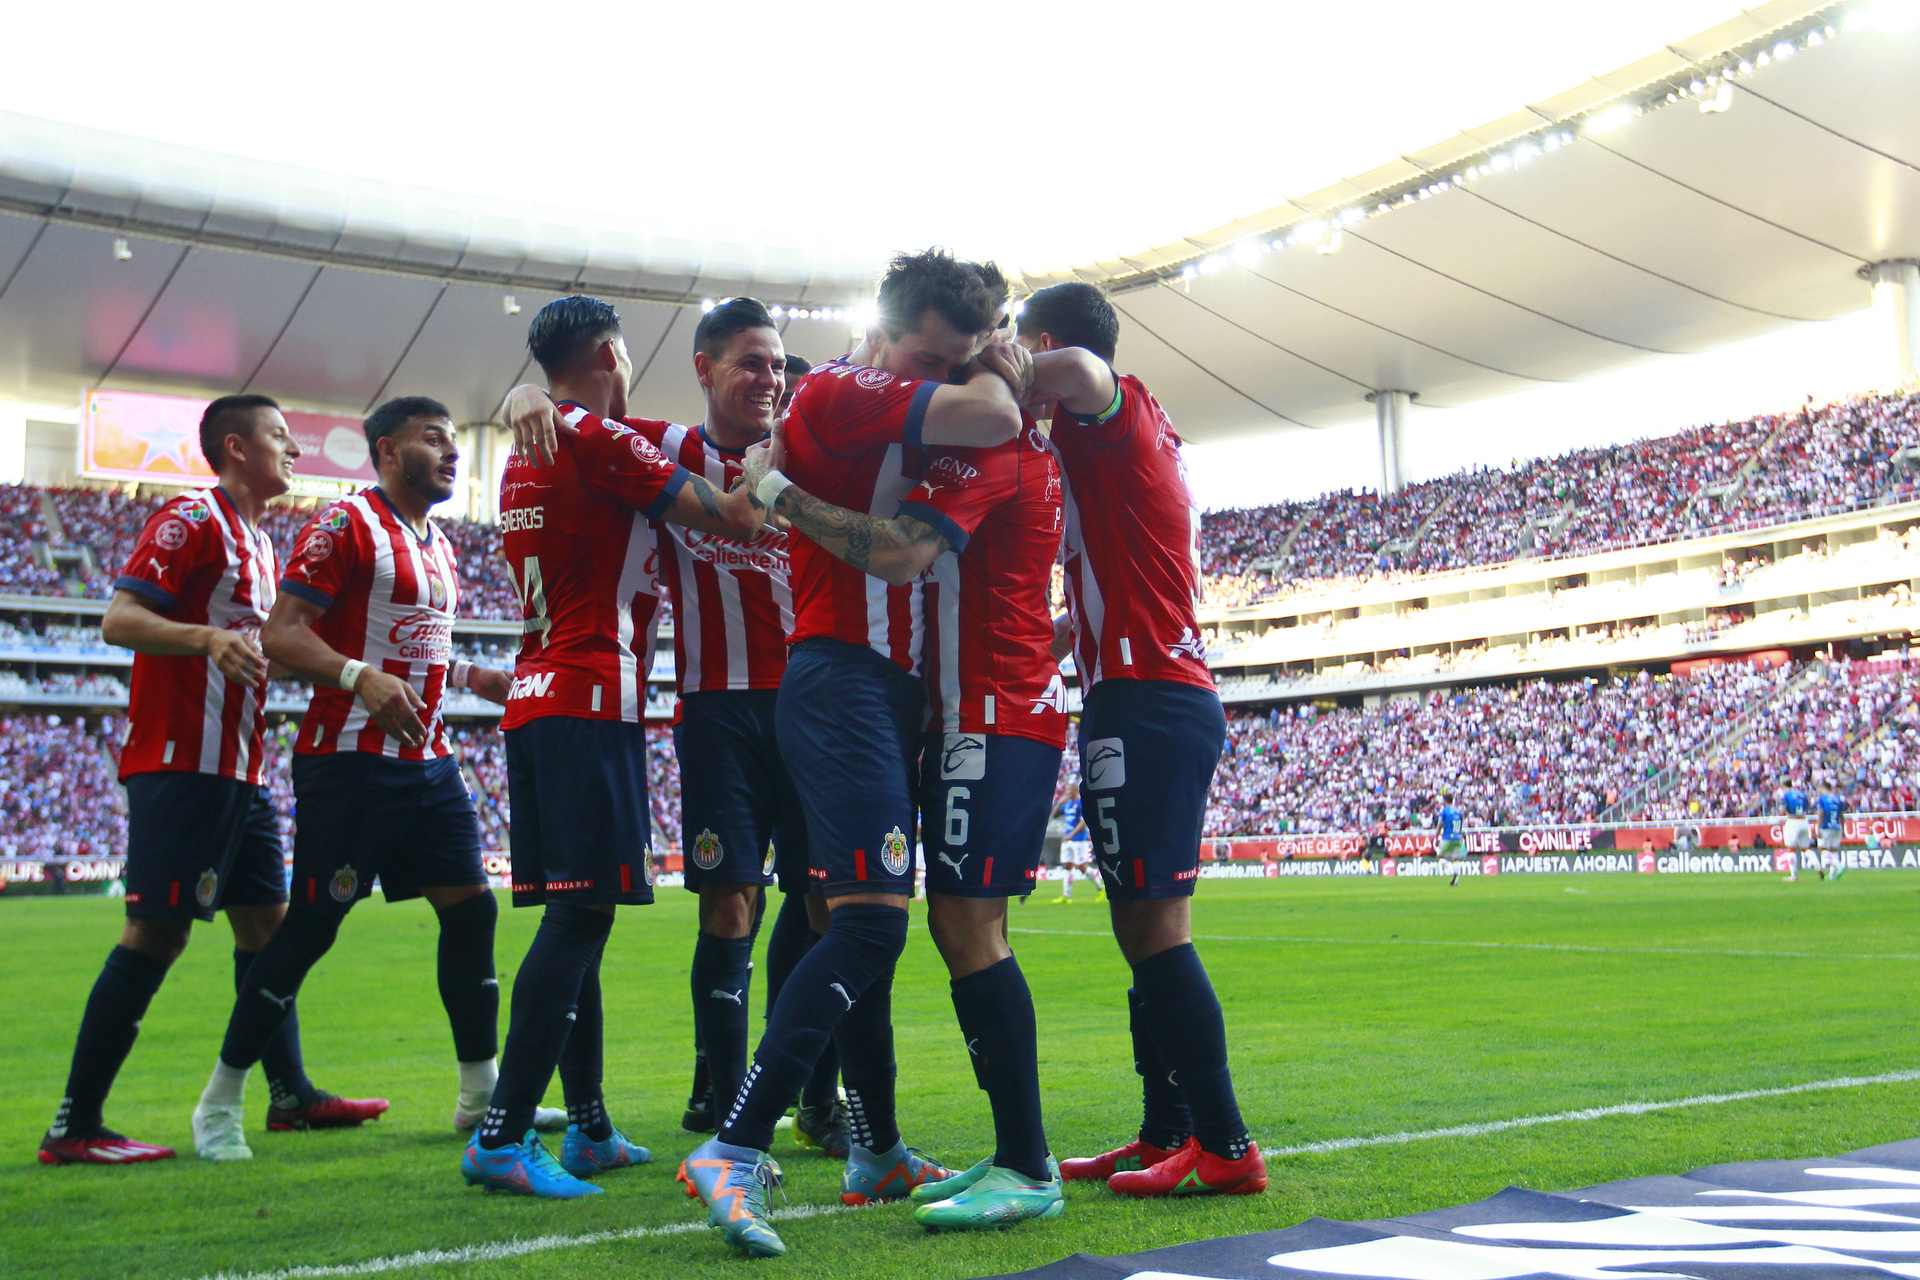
[1185,1023]
[582,1057]
[995,1009]
[271,982]
[791,937]
[469,984]
[546,994]
[722,977]
[865,1038]
[119,1000]
[281,1060]
[1165,1120]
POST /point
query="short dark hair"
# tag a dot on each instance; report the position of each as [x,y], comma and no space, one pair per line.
[1076,314]
[567,328]
[228,416]
[967,295]
[797,366]
[397,413]
[735,315]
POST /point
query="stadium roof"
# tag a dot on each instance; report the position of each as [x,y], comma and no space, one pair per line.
[1610,226]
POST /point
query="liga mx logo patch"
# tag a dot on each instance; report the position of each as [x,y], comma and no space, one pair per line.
[1106,764]
[345,885]
[893,852]
[209,885]
[963,758]
[766,862]
[706,850]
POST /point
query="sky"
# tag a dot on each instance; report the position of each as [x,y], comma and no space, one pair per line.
[818,129]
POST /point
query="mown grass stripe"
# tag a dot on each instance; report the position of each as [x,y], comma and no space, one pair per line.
[1508,946]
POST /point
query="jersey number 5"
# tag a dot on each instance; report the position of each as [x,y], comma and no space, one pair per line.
[532,591]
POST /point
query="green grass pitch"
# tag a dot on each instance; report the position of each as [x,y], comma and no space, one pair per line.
[1344,1021]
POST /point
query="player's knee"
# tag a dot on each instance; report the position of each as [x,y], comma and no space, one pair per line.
[727,910]
[157,938]
[877,931]
[583,922]
[481,911]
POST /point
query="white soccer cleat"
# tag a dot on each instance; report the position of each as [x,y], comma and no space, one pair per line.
[217,1134]
[470,1109]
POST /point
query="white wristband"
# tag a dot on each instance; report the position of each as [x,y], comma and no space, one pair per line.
[350,674]
[462,674]
[771,486]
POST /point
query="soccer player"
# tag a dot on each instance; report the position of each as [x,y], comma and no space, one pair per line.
[582,556]
[365,611]
[1076,846]
[989,765]
[1833,811]
[1453,829]
[1796,832]
[850,713]
[1151,731]
[201,834]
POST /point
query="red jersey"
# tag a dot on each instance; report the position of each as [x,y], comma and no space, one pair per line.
[202,565]
[1133,545]
[390,597]
[585,564]
[853,439]
[732,603]
[989,660]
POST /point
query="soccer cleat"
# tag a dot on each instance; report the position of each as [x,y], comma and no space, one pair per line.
[698,1117]
[1191,1171]
[582,1157]
[325,1112]
[217,1134]
[997,1198]
[1135,1155]
[733,1183]
[1839,869]
[824,1128]
[470,1109]
[946,1189]
[525,1168]
[102,1146]
[874,1177]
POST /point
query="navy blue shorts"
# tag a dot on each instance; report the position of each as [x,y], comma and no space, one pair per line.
[359,817]
[1147,752]
[849,723]
[582,831]
[984,803]
[197,842]
[737,803]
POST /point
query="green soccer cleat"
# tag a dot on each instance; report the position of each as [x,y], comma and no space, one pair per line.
[997,1198]
[733,1183]
[928,1192]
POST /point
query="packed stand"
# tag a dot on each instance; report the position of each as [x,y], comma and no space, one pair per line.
[58,793]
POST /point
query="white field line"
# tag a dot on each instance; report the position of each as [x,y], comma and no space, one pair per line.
[544,1244]
[1511,946]
[1592,1113]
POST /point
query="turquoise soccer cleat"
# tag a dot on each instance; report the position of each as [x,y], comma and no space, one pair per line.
[524,1168]
[873,1177]
[997,1198]
[582,1157]
[733,1182]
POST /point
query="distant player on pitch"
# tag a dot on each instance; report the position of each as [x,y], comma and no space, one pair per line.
[202,835]
[1796,833]
[1833,812]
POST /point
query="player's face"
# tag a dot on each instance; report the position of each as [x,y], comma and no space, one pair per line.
[267,456]
[934,352]
[745,381]
[426,452]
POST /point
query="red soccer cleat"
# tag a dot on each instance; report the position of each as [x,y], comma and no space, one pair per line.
[1193,1172]
[1135,1155]
[102,1146]
[325,1112]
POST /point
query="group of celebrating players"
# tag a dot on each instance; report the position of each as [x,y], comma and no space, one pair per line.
[859,559]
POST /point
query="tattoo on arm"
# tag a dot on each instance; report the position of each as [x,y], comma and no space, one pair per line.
[851,536]
[709,500]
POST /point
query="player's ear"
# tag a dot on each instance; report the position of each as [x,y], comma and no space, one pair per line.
[703,368]
[606,356]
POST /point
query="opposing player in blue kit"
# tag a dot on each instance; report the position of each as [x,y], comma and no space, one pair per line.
[1832,810]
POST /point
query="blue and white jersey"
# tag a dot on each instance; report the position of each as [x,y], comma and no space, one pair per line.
[1452,823]
[1795,802]
[1070,814]
[1831,807]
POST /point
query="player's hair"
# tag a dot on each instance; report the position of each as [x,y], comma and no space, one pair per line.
[797,366]
[567,328]
[735,315]
[967,295]
[397,413]
[1076,314]
[229,416]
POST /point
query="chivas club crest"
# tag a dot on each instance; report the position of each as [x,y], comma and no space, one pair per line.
[346,884]
[203,892]
[646,866]
[893,852]
[706,850]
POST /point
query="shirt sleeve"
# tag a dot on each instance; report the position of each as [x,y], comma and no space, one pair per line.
[325,556]
[1108,427]
[621,465]
[961,486]
[171,547]
[861,409]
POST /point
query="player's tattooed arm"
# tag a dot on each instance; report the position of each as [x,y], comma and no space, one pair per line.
[734,514]
[896,551]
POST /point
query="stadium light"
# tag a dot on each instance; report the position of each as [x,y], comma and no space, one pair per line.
[122,251]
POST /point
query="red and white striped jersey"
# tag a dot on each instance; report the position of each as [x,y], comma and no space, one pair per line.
[853,439]
[390,597]
[200,563]
[1133,545]
[989,660]
[586,566]
[732,602]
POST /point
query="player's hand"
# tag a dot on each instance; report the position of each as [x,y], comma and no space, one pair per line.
[536,423]
[1062,636]
[1012,362]
[393,704]
[237,657]
[490,684]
